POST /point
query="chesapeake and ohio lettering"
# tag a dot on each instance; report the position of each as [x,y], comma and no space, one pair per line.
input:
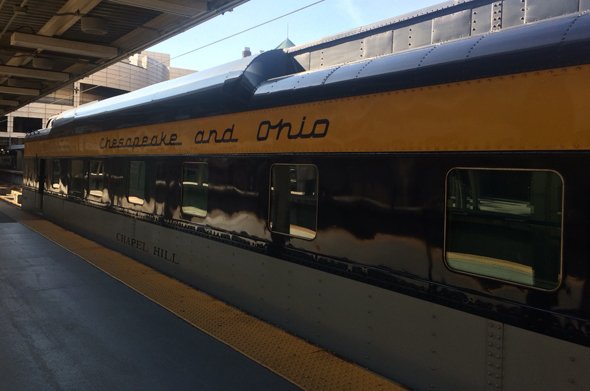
[285,129]
[212,135]
[156,140]
[267,130]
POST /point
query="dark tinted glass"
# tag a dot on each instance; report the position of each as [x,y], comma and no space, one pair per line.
[77,178]
[96,178]
[505,224]
[136,182]
[195,187]
[55,174]
[30,172]
[293,208]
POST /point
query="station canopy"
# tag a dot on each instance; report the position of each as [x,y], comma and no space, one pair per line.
[48,44]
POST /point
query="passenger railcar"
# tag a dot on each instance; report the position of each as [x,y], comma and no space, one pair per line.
[424,213]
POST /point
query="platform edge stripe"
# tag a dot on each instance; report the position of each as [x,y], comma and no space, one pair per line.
[304,365]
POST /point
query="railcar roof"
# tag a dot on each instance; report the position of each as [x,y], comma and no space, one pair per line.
[274,78]
[218,89]
[159,91]
[554,43]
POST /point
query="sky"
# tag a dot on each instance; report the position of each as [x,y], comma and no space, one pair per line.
[321,18]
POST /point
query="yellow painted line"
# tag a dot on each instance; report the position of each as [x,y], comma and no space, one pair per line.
[303,364]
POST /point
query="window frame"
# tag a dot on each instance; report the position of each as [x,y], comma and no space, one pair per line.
[317,187]
[187,214]
[559,280]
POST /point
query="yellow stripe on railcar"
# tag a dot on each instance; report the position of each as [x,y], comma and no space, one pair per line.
[542,114]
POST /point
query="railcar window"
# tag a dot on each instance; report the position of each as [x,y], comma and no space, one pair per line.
[195,189]
[77,183]
[55,174]
[505,224]
[96,178]
[30,174]
[136,194]
[293,200]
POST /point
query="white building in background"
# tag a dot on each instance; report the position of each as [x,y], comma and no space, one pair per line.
[140,70]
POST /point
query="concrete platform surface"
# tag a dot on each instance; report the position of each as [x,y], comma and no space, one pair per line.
[66,325]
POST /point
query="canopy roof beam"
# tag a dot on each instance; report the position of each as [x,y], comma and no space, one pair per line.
[19,91]
[186,8]
[33,73]
[33,41]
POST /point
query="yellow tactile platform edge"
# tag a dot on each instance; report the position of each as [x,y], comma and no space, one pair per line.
[301,363]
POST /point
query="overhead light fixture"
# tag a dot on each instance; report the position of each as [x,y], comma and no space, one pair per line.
[19,91]
[93,26]
[6,102]
[62,45]
[33,73]
[186,8]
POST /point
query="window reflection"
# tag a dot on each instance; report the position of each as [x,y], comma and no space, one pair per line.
[30,173]
[55,174]
[195,188]
[294,200]
[96,178]
[77,178]
[505,224]
[136,194]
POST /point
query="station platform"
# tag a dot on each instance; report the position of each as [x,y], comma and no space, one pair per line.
[76,315]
